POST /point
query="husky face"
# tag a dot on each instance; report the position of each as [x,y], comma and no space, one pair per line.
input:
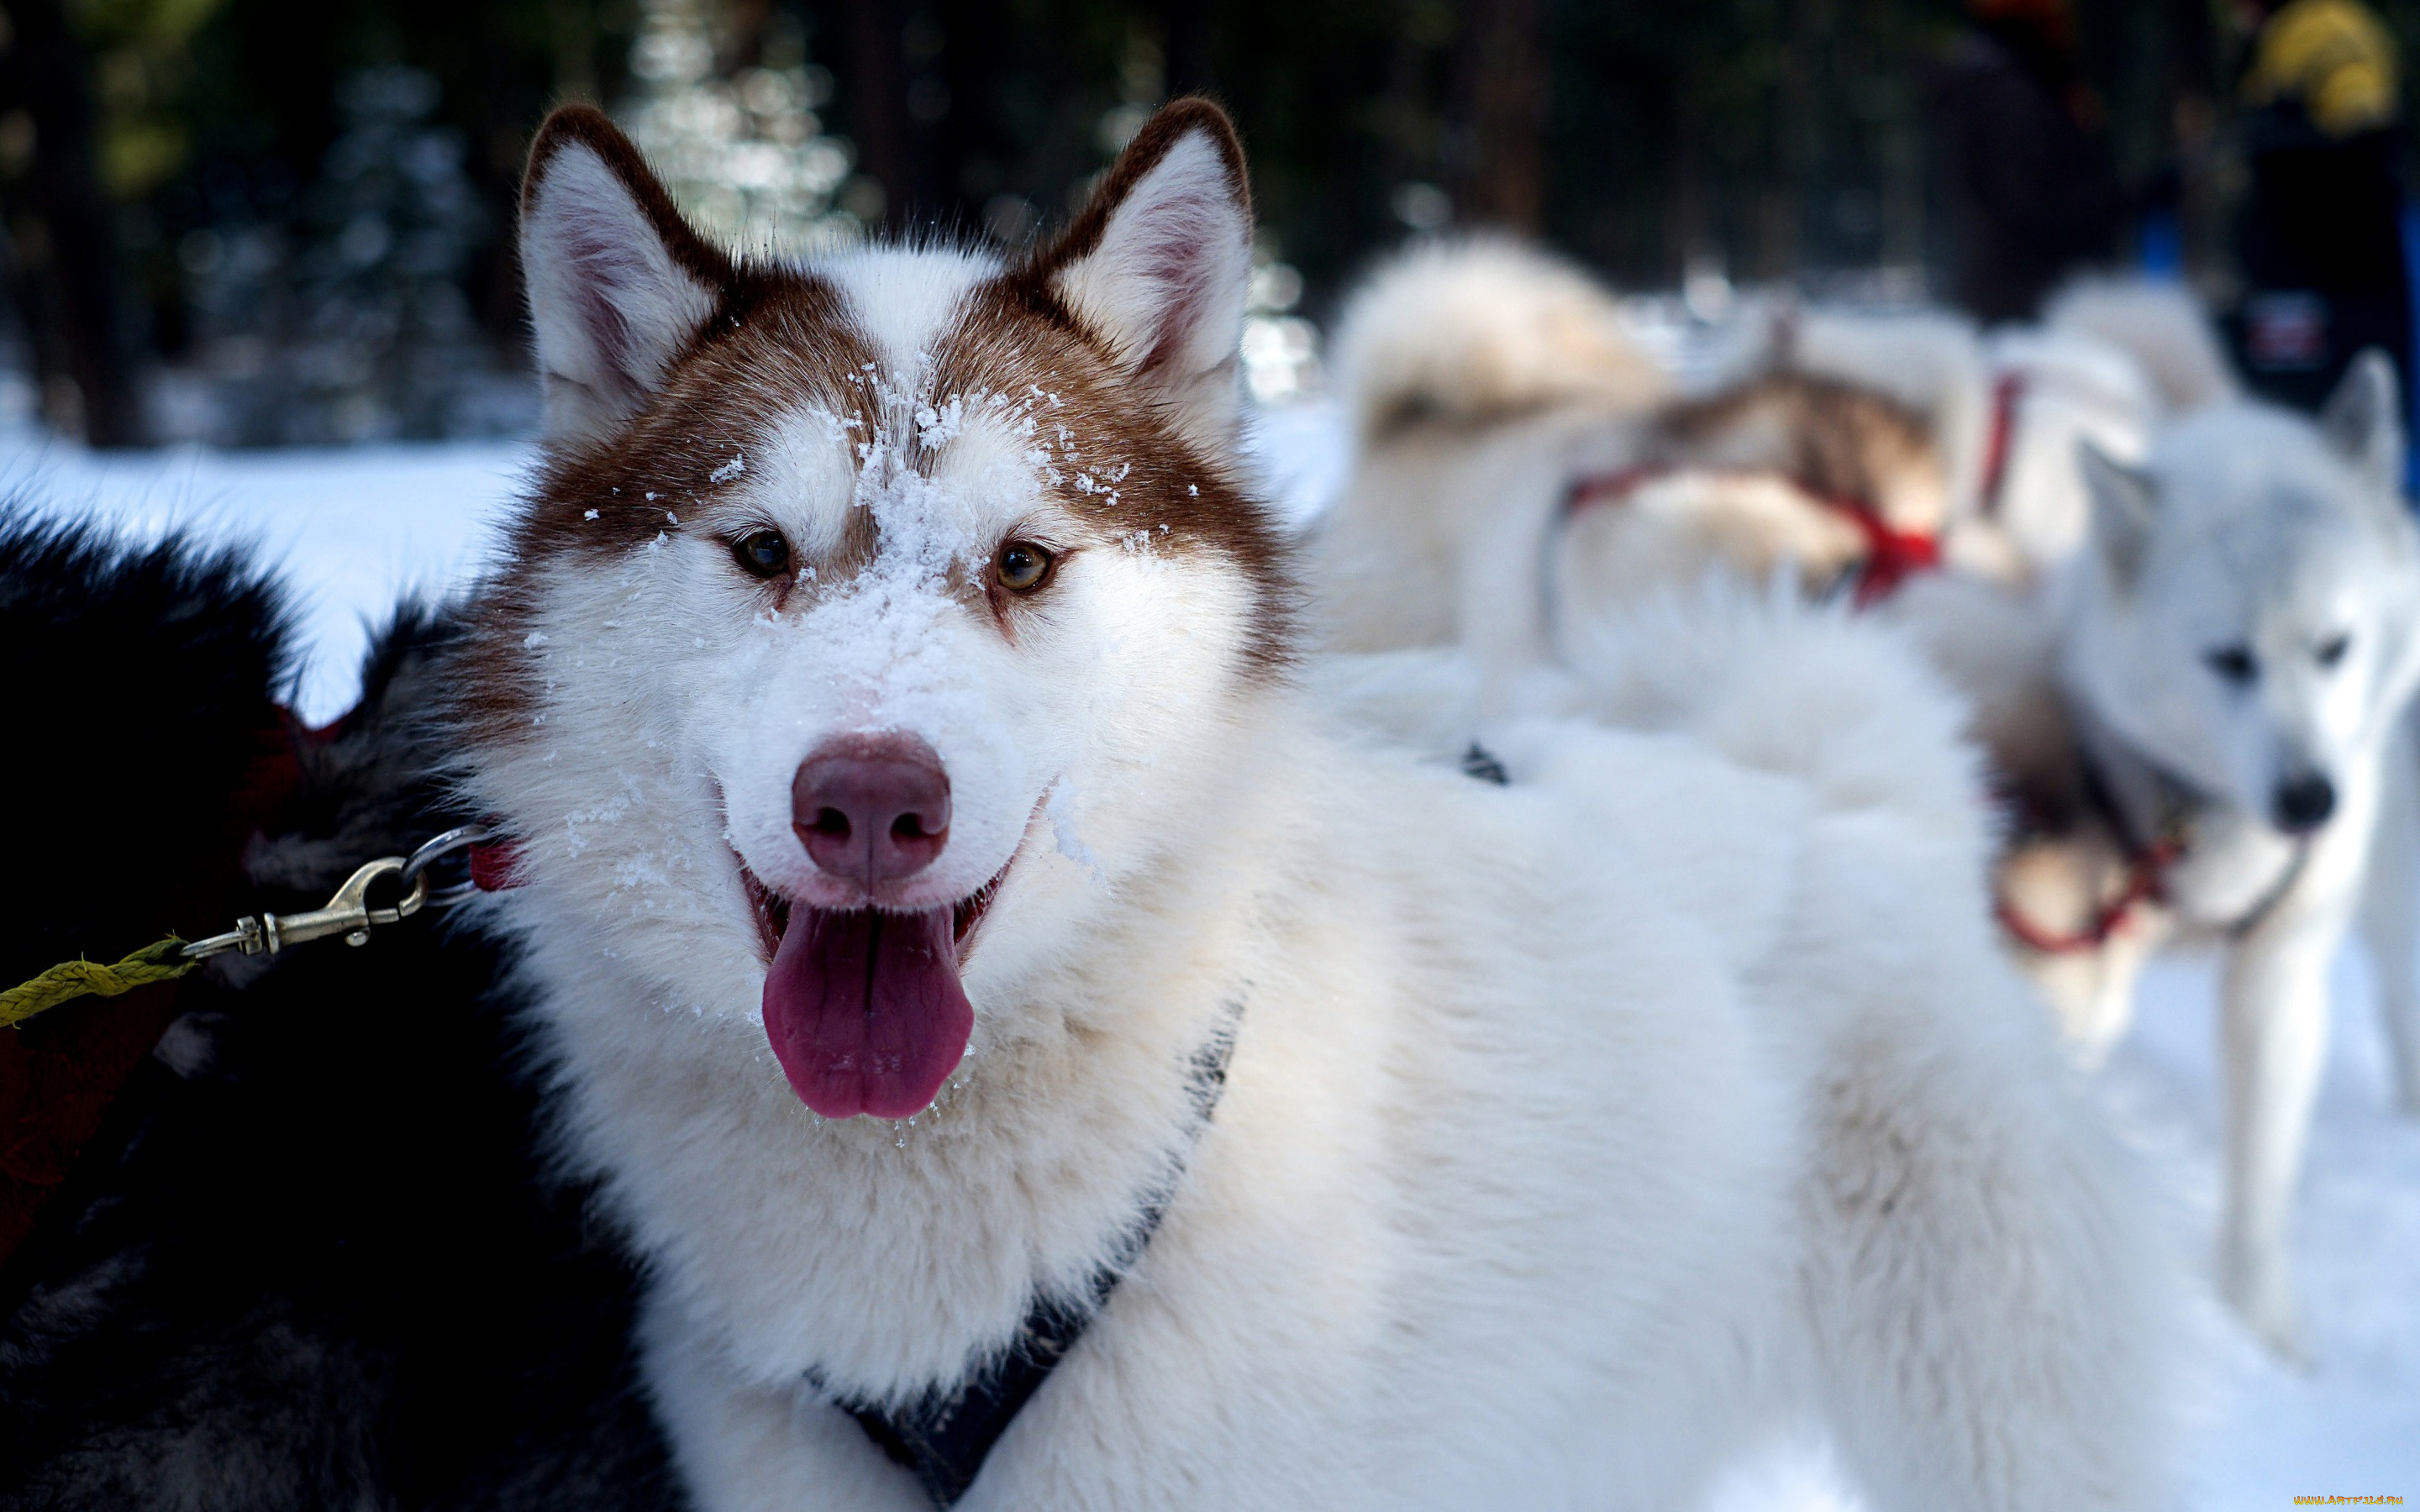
[2246,618]
[883,597]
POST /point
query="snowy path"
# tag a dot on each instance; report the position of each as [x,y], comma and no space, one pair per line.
[353,529]
[2351,1425]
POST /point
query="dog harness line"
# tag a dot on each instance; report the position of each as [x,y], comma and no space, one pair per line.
[2146,872]
[2007,393]
[2144,883]
[945,1435]
[1892,555]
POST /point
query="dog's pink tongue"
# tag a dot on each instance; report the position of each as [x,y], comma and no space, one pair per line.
[866,1012]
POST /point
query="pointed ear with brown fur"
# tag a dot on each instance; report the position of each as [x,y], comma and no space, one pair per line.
[618,283]
[1156,267]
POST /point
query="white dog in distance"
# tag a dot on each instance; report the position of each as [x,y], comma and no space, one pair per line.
[2200,724]
[964,945]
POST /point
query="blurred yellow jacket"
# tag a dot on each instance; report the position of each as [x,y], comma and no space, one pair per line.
[2335,56]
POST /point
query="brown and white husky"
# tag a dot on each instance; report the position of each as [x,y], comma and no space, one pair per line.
[964,947]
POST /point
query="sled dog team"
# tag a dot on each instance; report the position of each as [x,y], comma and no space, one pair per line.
[1080,1005]
[2183,624]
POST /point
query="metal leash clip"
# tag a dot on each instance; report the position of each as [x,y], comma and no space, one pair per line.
[348,912]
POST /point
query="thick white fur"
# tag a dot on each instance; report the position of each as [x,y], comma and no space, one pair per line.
[2162,326]
[1577,1133]
[2390,911]
[609,307]
[1483,329]
[1480,375]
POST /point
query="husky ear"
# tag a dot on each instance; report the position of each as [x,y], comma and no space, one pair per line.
[618,283]
[2123,504]
[1157,266]
[2363,420]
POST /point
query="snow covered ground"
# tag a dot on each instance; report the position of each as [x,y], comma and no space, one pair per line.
[352,528]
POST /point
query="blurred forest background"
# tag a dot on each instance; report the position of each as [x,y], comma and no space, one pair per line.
[263,221]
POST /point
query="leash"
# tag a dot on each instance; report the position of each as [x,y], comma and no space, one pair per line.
[1892,555]
[493,868]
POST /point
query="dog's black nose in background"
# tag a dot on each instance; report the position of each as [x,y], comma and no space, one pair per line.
[2304,803]
[872,809]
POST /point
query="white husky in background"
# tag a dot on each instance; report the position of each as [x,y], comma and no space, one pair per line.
[947,910]
[2196,722]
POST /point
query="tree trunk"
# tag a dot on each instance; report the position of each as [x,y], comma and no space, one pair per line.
[66,248]
[1187,45]
[1501,99]
[878,105]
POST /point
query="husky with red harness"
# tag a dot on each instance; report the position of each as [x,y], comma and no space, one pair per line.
[1502,476]
[1519,451]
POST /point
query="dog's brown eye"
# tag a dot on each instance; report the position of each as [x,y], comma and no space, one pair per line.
[1022,567]
[762,553]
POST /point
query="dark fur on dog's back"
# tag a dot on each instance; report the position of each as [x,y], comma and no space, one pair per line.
[112,652]
[136,689]
[315,1259]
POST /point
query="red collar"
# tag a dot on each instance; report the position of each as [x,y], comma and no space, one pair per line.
[496,866]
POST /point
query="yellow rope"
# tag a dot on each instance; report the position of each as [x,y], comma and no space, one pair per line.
[77,979]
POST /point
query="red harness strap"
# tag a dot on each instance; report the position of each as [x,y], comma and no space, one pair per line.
[2144,883]
[1892,555]
[1612,487]
[496,866]
[2008,391]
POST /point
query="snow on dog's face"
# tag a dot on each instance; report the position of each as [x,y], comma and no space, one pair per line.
[2251,599]
[871,611]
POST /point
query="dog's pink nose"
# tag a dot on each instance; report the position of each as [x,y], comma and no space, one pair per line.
[872,808]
